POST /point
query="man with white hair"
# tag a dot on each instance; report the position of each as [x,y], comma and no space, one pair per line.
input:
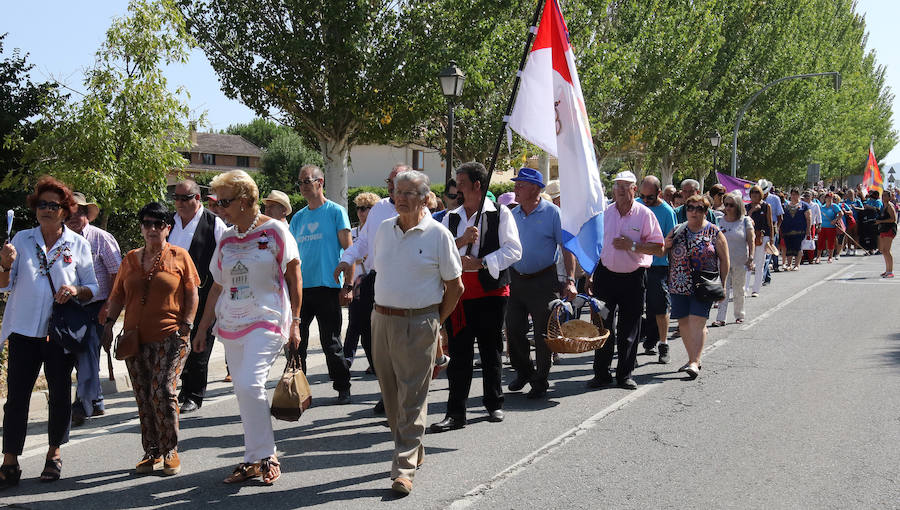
[689,188]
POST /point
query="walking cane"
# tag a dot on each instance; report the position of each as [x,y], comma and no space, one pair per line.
[109,364]
[841,230]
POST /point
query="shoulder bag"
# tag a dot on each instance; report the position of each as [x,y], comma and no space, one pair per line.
[69,321]
[128,341]
[706,285]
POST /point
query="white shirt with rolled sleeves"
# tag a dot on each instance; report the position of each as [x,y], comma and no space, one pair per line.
[510,250]
[413,265]
[183,236]
[31,301]
[364,242]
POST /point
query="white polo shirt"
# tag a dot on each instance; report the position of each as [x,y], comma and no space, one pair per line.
[413,265]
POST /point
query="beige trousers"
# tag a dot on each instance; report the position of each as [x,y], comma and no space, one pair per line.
[403,350]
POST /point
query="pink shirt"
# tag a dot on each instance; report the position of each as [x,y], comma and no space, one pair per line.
[639,225]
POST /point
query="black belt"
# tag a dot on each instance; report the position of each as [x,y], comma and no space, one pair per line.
[528,276]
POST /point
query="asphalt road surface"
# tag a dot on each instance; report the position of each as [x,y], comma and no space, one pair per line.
[796,408]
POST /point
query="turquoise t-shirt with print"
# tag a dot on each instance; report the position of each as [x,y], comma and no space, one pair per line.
[316,233]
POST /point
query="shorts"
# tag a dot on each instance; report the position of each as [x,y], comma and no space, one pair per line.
[827,238]
[682,306]
[657,300]
[887,234]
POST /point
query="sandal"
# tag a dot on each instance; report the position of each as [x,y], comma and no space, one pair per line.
[717,324]
[739,321]
[9,475]
[243,472]
[270,469]
[52,470]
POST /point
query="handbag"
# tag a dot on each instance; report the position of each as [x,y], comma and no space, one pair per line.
[707,286]
[69,321]
[127,343]
[292,394]
[808,245]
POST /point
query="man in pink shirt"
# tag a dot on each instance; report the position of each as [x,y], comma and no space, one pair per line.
[631,236]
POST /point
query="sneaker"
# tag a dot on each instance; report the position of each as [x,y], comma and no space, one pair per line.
[172,464]
[663,353]
[148,464]
[887,275]
[628,384]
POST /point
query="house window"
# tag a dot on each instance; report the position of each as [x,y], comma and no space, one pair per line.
[209,159]
[418,159]
[187,156]
[243,161]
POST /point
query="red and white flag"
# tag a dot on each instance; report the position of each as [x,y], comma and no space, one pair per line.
[550,113]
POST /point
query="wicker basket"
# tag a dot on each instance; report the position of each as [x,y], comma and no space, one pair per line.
[558,343]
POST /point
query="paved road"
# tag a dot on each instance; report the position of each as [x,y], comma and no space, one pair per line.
[797,408]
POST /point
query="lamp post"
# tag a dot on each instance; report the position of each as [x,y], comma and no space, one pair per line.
[715,139]
[452,79]
[737,124]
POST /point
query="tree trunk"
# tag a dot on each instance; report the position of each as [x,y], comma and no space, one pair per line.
[335,153]
[544,165]
[701,177]
[666,170]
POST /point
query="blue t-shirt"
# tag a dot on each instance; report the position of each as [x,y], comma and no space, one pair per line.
[540,234]
[829,214]
[852,204]
[316,233]
[665,215]
[876,203]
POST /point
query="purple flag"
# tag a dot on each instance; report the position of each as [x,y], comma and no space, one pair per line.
[734,183]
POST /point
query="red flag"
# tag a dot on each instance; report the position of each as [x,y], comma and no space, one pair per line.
[872,176]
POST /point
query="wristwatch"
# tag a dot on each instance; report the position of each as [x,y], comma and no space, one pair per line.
[348,287]
[190,325]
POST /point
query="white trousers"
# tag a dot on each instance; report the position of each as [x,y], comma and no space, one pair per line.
[759,264]
[250,358]
[734,286]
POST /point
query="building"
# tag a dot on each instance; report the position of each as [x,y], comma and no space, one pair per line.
[213,153]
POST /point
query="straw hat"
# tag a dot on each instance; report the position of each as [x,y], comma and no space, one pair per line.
[279,197]
[552,188]
[93,210]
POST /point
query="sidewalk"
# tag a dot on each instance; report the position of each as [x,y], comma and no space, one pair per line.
[119,399]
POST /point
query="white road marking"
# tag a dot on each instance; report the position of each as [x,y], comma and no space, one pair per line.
[471,498]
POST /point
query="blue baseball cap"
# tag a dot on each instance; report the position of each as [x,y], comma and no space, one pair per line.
[529,175]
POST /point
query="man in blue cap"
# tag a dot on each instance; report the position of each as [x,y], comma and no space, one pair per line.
[533,282]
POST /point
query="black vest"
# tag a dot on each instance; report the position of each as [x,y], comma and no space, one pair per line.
[488,242]
[203,246]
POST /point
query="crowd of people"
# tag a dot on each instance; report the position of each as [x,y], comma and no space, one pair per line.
[426,280]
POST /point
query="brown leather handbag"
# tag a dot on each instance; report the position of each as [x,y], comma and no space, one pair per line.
[127,343]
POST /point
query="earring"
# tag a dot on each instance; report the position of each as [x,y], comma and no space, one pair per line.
[242,209]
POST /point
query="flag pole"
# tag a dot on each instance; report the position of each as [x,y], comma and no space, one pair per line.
[532,30]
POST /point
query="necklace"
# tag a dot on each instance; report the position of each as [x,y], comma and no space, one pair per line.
[45,265]
[153,268]
[249,229]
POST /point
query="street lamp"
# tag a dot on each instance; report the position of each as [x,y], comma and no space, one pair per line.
[715,139]
[452,79]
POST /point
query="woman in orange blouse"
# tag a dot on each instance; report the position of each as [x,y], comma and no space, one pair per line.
[157,286]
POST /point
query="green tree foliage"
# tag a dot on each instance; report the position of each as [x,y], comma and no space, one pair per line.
[259,131]
[283,159]
[120,140]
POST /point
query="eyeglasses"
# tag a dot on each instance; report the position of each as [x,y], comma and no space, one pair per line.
[695,208]
[225,202]
[363,208]
[388,181]
[157,224]
[451,196]
[183,198]
[729,204]
[53,206]
[307,181]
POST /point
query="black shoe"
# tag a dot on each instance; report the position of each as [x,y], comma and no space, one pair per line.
[189,406]
[628,384]
[496,416]
[370,371]
[11,475]
[663,353]
[343,397]
[518,384]
[599,382]
[98,411]
[649,351]
[536,392]
[78,416]
[379,408]
[448,423]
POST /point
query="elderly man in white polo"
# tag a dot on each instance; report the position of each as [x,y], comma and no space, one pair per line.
[418,285]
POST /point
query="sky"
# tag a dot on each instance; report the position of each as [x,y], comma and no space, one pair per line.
[61,38]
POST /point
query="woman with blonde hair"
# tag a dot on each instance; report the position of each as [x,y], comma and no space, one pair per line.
[738,231]
[359,327]
[255,302]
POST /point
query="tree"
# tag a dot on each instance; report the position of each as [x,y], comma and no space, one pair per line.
[20,99]
[259,131]
[283,159]
[342,71]
[122,138]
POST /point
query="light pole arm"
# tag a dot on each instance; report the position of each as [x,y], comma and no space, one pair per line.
[740,115]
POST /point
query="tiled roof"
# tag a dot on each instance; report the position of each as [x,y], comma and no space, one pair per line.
[231,145]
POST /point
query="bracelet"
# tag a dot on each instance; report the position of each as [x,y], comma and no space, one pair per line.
[348,287]
[296,319]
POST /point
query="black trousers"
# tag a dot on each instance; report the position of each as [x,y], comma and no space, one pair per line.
[484,325]
[323,304]
[623,294]
[530,297]
[26,355]
[195,374]
[359,320]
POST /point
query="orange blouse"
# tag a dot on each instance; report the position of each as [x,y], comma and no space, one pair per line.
[159,317]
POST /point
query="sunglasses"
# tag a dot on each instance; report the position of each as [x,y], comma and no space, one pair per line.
[695,208]
[225,202]
[157,224]
[307,181]
[183,198]
[388,181]
[53,206]
[648,198]
[451,196]
[729,204]
[363,208]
